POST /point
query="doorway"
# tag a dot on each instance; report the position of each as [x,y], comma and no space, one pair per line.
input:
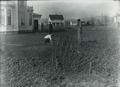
[36,25]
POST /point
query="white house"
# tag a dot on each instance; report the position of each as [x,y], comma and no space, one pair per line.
[56,20]
[15,16]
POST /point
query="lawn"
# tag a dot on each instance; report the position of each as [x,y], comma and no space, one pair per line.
[28,62]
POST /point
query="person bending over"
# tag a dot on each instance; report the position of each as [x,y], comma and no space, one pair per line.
[48,39]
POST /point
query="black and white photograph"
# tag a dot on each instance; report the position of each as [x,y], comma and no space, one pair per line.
[59,43]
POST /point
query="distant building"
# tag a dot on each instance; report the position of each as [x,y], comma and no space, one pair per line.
[56,20]
[70,22]
[37,21]
[96,21]
[16,16]
[73,22]
[117,19]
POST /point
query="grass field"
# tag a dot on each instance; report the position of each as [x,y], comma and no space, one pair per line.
[28,62]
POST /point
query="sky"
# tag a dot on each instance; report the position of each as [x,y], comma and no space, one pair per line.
[75,8]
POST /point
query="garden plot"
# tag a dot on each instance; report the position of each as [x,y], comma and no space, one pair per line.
[64,64]
[100,53]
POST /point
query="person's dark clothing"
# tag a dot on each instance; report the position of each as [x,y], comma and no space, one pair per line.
[47,40]
[50,28]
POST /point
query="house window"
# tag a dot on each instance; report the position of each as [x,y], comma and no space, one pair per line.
[2,17]
[30,19]
[9,17]
[22,20]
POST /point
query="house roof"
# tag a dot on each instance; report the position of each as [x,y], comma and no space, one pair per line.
[56,17]
[36,15]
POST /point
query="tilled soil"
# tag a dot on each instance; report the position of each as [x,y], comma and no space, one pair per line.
[28,62]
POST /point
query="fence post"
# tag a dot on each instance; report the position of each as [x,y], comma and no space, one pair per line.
[90,68]
[79,31]
[79,36]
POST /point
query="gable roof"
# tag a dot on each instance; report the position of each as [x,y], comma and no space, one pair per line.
[56,17]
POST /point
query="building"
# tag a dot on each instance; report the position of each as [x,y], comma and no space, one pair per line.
[56,20]
[37,21]
[117,19]
[16,16]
